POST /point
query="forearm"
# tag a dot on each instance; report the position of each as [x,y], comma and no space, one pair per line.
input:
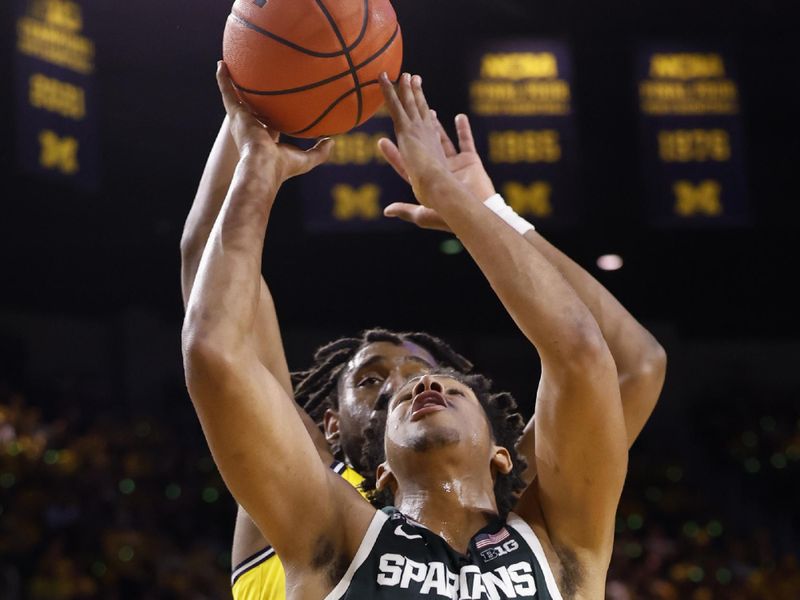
[629,342]
[211,193]
[640,359]
[536,295]
[224,300]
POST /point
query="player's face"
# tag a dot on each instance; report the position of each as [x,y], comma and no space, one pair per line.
[368,383]
[434,411]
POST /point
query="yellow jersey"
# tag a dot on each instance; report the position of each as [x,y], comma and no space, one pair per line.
[261,576]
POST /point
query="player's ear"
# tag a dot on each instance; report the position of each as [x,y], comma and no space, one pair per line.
[501,461]
[330,423]
[384,479]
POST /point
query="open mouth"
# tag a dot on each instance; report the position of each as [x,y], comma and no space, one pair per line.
[426,403]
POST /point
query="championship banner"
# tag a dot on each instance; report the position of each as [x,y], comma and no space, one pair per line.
[350,191]
[521,111]
[55,107]
[692,138]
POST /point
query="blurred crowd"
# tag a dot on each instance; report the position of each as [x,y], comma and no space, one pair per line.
[112,508]
[713,512]
[95,506]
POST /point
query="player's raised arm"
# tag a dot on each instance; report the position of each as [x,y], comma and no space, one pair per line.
[581,446]
[211,193]
[255,434]
[640,359]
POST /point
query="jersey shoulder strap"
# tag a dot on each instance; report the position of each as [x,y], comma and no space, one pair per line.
[363,552]
[349,474]
[521,526]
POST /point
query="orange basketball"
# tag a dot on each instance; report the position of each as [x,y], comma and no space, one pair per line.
[310,68]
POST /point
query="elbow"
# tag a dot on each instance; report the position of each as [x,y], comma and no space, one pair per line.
[653,364]
[191,246]
[206,354]
[648,362]
[649,370]
[207,369]
[587,350]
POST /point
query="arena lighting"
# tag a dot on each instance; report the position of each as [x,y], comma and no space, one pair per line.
[610,262]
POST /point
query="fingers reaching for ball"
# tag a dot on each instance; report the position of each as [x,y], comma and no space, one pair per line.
[250,134]
[393,104]
[418,139]
[229,97]
[245,128]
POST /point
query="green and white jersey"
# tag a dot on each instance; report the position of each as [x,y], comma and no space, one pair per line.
[399,559]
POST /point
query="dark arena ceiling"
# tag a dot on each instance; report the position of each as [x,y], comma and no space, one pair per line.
[158,112]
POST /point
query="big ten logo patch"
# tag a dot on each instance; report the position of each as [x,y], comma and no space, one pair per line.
[490,554]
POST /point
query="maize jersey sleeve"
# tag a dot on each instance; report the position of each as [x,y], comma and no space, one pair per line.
[261,576]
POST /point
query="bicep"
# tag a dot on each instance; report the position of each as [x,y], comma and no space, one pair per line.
[263,451]
[580,455]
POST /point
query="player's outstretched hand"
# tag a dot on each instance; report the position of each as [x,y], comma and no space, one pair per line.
[250,134]
[418,142]
[464,163]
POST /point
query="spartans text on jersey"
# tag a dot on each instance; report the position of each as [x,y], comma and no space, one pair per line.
[512,581]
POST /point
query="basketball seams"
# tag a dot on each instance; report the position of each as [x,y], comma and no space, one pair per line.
[331,79]
[333,105]
[362,62]
[346,50]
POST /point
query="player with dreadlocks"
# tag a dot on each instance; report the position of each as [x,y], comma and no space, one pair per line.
[640,360]
[215,353]
[317,390]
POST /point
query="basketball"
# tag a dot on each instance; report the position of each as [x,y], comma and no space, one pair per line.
[310,68]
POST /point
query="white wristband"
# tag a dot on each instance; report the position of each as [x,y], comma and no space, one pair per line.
[499,207]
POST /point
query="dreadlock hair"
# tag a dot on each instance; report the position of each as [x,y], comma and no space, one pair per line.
[506,426]
[316,389]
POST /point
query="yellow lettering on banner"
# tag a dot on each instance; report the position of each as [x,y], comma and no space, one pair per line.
[51,31]
[57,153]
[687,65]
[524,146]
[694,145]
[701,199]
[507,98]
[57,96]
[519,65]
[357,148]
[64,14]
[533,199]
[356,203]
[689,98]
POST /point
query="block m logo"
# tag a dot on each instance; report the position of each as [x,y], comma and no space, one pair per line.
[356,203]
[701,199]
[58,153]
[533,199]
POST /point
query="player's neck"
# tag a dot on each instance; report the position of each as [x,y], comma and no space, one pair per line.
[455,506]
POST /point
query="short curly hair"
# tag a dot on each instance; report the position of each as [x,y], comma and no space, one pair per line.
[505,423]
